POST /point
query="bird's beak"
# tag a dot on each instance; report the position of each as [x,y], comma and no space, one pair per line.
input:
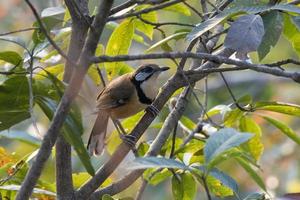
[163,69]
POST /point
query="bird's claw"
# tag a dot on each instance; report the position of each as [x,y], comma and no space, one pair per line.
[130,140]
[153,110]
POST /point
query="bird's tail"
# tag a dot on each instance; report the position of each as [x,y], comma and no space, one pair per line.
[96,141]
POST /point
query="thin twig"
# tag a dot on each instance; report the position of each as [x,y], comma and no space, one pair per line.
[193,9]
[283,62]
[164,23]
[206,188]
[18,31]
[146,10]
[233,96]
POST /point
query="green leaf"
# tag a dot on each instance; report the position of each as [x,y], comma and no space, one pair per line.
[258,180]
[221,17]
[231,117]
[292,33]
[107,197]
[119,43]
[55,70]
[11,57]
[177,188]
[219,109]
[217,188]
[72,131]
[175,36]
[20,136]
[183,187]
[136,37]
[273,24]
[154,176]
[254,145]
[82,177]
[225,179]
[187,123]
[285,108]
[142,149]
[284,128]
[14,101]
[223,140]
[143,27]
[156,162]
[179,8]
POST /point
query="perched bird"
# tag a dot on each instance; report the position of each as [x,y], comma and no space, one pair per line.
[121,98]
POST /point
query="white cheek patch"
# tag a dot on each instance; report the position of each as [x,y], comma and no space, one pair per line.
[141,76]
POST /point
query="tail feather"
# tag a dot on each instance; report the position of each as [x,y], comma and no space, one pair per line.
[96,141]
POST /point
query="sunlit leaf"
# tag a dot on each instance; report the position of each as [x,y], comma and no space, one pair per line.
[179,8]
[183,187]
[167,39]
[142,26]
[285,108]
[11,57]
[119,43]
[292,33]
[154,176]
[254,145]
[231,117]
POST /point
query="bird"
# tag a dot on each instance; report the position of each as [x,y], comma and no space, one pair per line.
[123,97]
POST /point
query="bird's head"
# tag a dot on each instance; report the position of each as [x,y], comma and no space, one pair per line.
[148,71]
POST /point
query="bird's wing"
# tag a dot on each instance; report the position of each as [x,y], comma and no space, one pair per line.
[117,93]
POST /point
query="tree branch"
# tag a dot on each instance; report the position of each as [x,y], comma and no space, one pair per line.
[68,97]
[214,58]
[19,31]
[64,182]
[144,11]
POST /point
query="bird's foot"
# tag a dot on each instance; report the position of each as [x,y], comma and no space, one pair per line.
[153,110]
[130,140]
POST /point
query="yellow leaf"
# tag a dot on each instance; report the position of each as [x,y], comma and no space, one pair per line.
[254,145]
[119,43]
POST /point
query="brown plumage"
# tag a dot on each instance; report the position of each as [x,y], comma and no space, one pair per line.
[121,98]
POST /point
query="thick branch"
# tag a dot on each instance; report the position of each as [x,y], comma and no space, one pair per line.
[64,182]
[64,106]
